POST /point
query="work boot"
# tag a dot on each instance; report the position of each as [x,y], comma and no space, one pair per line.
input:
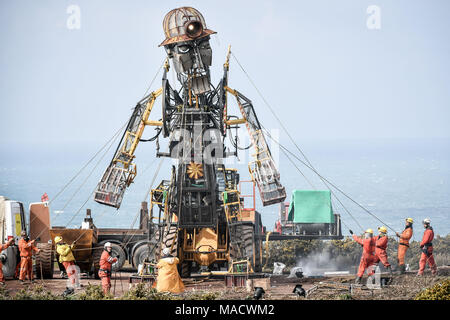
[391,275]
[68,291]
[22,281]
[401,268]
[358,280]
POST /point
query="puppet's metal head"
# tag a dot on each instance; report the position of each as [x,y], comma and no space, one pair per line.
[187,44]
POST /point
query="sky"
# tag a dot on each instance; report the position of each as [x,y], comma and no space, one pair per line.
[332,71]
[319,66]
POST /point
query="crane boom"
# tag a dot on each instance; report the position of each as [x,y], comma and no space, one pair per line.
[122,171]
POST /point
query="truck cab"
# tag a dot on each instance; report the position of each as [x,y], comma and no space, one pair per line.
[12,222]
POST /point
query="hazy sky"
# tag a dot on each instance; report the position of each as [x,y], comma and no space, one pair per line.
[318,64]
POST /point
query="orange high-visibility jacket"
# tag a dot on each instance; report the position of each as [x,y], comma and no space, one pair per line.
[26,248]
[368,246]
[106,261]
[381,244]
[427,238]
[406,235]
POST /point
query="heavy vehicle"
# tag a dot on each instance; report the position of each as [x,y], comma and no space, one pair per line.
[126,243]
[200,208]
[309,215]
[12,222]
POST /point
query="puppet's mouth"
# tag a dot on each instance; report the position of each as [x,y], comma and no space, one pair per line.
[200,84]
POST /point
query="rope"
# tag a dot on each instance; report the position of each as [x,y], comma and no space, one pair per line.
[330,183]
[98,152]
[309,165]
[78,173]
[154,78]
[93,191]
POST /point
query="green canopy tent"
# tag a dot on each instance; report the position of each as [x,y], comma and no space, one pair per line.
[311,206]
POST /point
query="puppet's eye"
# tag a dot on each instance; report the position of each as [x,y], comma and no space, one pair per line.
[183,49]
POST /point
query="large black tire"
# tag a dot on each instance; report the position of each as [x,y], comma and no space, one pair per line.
[116,250]
[142,254]
[185,271]
[245,246]
[45,260]
[167,240]
[97,251]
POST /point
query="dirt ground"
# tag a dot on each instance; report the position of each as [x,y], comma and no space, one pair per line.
[403,287]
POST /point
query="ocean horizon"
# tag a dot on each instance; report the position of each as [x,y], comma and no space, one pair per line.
[392,178]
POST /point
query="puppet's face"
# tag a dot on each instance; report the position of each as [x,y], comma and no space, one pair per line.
[192,60]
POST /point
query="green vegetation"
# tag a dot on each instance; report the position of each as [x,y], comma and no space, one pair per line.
[440,291]
[346,296]
[143,292]
[35,292]
[92,292]
[4,295]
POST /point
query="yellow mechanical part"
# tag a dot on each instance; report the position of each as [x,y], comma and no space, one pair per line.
[235,121]
[206,246]
[194,170]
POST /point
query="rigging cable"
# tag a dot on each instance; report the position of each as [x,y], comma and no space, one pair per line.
[333,185]
[309,165]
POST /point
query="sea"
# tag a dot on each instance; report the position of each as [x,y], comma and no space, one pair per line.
[391,178]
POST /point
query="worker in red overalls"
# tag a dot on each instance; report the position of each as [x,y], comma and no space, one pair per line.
[4,247]
[427,249]
[381,242]
[26,248]
[368,256]
[106,261]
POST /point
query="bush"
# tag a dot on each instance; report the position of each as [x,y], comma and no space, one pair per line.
[440,291]
[346,296]
[92,292]
[4,295]
[141,291]
[36,292]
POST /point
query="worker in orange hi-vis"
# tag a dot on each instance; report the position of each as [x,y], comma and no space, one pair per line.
[381,242]
[168,279]
[106,262]
[26,248]
[427,249]
[368,256]
[3,247]
[403,244]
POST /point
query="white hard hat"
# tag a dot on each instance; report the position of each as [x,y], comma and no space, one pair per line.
[166,251]
[427,220]
[108,244]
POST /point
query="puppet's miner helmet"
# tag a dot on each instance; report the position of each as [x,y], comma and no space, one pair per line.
[184,24]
